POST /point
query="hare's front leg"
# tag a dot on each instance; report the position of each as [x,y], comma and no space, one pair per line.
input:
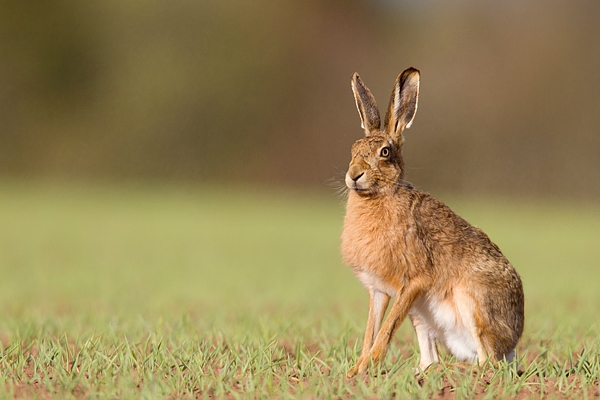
[378,303]
[402,304]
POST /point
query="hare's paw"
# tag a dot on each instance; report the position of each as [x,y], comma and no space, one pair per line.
[378,352]
[353,372]
[360,367]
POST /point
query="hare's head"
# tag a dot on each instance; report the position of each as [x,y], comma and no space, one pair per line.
[377,165]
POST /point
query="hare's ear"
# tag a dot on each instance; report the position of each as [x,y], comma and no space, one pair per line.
[367,107]
[403,103]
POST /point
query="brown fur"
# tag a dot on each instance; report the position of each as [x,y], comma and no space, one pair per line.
[404,244]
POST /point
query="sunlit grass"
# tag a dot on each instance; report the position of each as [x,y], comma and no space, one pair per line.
[130,292]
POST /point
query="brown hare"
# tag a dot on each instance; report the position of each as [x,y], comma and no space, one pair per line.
[455,285]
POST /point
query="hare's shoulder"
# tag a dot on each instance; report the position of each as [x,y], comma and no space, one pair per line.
[436,218]
[452,235]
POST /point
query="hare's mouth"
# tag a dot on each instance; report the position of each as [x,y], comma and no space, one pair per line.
[358,187]
[359,181]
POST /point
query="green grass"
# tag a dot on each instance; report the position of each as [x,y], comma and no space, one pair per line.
[171,292]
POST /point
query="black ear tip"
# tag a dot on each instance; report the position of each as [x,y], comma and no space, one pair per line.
[411,75]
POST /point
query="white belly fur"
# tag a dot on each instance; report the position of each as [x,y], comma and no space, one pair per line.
[451,322]
[372,282]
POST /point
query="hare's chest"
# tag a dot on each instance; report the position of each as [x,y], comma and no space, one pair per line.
[374,244]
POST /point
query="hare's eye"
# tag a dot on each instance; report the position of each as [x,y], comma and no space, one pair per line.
[384,152]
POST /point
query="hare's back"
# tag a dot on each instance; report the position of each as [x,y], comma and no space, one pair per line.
[452,240]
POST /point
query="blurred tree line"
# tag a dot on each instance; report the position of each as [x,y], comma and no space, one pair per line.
[259,91]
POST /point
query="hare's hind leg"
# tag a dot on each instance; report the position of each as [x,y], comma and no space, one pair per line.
[426,339]
[472,322]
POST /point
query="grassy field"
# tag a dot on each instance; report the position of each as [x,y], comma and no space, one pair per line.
[170,292]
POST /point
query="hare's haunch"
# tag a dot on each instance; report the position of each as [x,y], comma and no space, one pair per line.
[410,249]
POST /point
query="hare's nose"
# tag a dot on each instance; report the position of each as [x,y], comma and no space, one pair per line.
[355,172]
[357,177]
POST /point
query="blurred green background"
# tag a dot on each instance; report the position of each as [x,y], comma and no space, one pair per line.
[190,152]
[258,91]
